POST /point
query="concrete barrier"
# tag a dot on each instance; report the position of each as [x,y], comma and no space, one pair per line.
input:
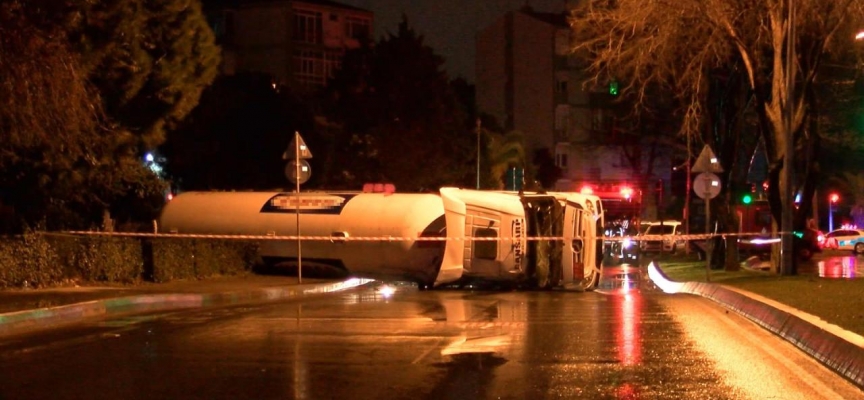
[836,353]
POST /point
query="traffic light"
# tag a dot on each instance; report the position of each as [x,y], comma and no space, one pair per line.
[834,197]
[613,88]
[747,198]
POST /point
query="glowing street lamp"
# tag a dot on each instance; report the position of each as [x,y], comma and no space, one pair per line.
[834,198]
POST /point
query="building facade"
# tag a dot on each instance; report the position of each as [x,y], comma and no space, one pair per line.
[530,81]
[298,42]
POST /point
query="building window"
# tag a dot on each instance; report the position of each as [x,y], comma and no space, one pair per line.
[314,67]
[562,117]
[561,160]
[561,87]
[307,26]
[601,122]
[357,28]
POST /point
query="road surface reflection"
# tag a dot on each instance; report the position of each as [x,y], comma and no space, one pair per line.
[838,267]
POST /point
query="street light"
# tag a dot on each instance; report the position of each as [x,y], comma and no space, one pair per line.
[834,198]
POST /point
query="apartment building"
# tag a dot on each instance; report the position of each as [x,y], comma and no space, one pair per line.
[299,42]
[528,78]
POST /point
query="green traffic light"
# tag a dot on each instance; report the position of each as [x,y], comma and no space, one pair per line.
[747,199]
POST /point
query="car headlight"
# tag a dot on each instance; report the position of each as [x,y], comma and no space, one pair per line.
[626,243]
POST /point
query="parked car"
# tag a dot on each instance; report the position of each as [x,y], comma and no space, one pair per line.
[669,243]
[845,239]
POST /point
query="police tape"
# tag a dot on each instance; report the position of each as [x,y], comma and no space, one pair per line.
[758,238]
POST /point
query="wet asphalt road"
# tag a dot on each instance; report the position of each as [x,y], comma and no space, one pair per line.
[624,341]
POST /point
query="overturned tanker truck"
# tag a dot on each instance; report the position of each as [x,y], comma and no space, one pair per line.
[529,240]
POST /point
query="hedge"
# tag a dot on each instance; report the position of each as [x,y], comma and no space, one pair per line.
[41,259]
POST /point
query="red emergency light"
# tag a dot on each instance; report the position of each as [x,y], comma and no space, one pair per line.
[626,192]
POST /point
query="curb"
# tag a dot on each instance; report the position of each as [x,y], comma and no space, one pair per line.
[836,353]
[53,316]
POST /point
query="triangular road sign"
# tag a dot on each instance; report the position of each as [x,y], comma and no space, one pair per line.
[707,162]
[297,149]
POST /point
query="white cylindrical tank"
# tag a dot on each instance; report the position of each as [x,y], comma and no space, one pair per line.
[373,234]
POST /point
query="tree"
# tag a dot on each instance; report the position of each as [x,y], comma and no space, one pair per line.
[544,172]
[401,121]
[148,59]
[503,151]
[236,136]
[62,165]
[649,45]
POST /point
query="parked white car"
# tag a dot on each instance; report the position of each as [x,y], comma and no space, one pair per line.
[669,243]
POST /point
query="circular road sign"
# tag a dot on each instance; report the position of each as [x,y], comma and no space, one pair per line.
[706,185]
[295,176]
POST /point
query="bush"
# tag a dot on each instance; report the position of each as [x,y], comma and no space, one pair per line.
[224,257]
[201,258]
[40,259]
[172,259]
[28,260]
[108,259]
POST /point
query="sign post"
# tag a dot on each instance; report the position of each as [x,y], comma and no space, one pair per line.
[707,186]
[298,171]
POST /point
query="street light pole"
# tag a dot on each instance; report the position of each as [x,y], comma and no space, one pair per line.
[478,153]
[831,201]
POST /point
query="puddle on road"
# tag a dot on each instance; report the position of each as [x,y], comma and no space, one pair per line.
[624,278]
[837,267]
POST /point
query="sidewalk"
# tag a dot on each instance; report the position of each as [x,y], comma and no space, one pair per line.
[27,309]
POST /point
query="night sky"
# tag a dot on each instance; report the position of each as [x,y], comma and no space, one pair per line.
[447,25]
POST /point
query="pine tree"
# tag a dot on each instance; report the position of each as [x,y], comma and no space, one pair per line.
[149,59]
